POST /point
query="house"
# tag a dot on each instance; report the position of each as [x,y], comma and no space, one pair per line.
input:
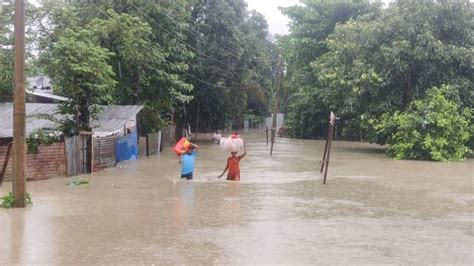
[41,83]
[114,138]
[39,89]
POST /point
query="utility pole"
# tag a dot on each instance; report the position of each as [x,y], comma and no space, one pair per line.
[19,110]
[276,103]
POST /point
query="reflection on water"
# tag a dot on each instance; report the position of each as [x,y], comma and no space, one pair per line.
[373,210]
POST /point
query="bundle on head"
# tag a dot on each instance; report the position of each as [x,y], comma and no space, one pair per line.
[232,144]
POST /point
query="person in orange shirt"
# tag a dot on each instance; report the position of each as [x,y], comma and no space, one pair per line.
[233,165]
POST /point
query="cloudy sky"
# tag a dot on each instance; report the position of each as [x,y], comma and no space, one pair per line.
[277,22]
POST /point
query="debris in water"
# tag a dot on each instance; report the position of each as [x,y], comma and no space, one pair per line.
[77,182]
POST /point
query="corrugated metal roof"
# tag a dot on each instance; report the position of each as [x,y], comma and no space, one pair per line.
[112,118]
[47,95]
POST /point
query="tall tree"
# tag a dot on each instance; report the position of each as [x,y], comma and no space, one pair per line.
[7,17]
[148,54]
[311,24]
[79,68]
[260,62]
[217,37]
[382,65]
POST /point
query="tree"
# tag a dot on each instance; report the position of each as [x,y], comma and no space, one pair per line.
[217,38]
[434,128]
[381,65]
[7,17]
[232,69]
[146,56]
[311,24]
[259,58]
[150,54]
[79,68]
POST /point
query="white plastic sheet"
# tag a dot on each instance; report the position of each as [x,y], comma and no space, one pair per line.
[232,144]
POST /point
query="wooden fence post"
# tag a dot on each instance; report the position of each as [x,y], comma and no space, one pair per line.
[327,148]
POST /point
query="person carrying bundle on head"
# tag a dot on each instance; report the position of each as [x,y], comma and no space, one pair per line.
[233,165]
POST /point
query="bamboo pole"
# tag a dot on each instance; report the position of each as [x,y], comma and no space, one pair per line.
[327,149]
[19,109]
[266,133]
[276,105]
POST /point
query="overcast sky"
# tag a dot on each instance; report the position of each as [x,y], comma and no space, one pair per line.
[277,22]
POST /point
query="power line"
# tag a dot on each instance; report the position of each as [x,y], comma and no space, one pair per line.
[182,41]
[208,42]
[187,74]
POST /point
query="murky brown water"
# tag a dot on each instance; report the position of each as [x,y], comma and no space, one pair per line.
[373,210]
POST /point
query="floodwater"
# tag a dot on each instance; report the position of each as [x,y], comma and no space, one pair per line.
[372,210]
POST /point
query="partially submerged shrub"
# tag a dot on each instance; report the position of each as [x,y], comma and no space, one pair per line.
[7,201]
[434,128]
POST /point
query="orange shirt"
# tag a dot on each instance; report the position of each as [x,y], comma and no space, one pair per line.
[234,164]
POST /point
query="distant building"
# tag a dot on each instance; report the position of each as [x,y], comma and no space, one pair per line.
[42,83]
[40,90]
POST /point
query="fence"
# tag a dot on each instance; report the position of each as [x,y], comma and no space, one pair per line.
[168,136]
[78,154]
[104,153]
[153,143]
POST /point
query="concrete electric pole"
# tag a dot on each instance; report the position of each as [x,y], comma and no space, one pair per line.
[19,110]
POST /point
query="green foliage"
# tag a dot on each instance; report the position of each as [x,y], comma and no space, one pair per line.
[79,68]
[6,52]
[143,50]
[375,61]
[7,41]
[434,128]
[235,61]
[42,137]
[6,75]
[312,23]
[8,200]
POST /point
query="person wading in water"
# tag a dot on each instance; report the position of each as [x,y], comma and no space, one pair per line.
[233,165]
[187,161]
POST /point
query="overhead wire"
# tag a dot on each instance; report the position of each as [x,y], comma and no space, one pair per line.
[164,59]
[209,42]
[182,41]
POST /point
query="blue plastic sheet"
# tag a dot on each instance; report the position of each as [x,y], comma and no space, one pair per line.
[126,148]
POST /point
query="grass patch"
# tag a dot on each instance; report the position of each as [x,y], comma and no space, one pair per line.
[77,182]
[7,201]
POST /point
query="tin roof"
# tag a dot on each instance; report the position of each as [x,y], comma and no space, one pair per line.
[110,119]
[47,95]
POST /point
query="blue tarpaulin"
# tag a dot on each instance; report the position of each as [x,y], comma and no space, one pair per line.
[126,148]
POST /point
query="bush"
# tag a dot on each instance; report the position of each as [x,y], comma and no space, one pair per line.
[42,137]
[434,128]
[8,200]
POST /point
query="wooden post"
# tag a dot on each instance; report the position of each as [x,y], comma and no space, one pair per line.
[159,142]
[5,162]
[19,112]
[327,149]
[276,105]
[147,145]
[324,155]
[266,133]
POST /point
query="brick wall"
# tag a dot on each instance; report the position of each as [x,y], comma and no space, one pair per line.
[49,162]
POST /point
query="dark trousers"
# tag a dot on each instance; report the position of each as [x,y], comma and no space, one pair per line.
[188,176]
